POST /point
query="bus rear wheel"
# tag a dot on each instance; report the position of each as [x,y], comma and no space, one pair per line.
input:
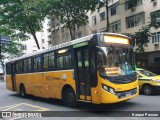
[22,91]
[69,98]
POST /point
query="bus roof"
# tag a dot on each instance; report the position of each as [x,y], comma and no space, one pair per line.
[73,42]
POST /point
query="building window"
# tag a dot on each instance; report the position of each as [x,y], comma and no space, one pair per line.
[113,10]
[157,59]
[42,40]
[24,47]
[102,16]
[135,20]
[115,27]
[68,37]
[95,31]
[129,5]
[102,30]
[79,34]
[94,20]
[156,37]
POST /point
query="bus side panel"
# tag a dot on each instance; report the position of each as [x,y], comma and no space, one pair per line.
[28,83]
[52,80]
[9,82]
[95,92]
[19,80]
[40,89]
[56,80]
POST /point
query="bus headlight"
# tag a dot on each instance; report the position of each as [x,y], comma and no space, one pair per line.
[109,89]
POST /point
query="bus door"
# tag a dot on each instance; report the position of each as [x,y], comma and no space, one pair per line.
[13,76]
[83,74]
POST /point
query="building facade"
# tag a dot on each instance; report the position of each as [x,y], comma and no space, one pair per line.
[122,19]
[29,46]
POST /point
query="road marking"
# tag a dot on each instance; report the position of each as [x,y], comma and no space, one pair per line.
[23,104]
[7,106]
[42,108]
[12,107]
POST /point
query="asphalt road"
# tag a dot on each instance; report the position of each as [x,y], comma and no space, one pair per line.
[11,101]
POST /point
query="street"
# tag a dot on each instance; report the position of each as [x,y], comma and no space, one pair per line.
[11,101]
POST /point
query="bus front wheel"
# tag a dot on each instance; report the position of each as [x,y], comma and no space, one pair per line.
[22,91]
[69,98]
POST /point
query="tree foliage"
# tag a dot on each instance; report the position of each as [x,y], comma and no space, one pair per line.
[14,47]
[72,12]
[9,49]
[140,38]
[25,16]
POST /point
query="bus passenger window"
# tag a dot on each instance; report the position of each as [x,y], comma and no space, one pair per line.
[37,63]
[51,60]
[45,64]
[25,65]
[67,61]
[29,65]
[60,62]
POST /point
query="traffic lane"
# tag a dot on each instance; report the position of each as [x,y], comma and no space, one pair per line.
[140,103]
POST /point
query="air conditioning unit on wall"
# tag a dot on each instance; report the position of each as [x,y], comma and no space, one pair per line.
[156,44]
[155,2]
[133,9]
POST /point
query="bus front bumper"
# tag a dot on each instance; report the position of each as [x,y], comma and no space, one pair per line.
[108,97]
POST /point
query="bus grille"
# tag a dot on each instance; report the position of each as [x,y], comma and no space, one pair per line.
[126,93]
[123,79]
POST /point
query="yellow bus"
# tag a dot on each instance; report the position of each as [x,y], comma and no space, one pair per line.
[98,68]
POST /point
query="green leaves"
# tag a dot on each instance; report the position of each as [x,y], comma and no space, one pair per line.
[140,38]
[71,12]
[14,47]
[23,16]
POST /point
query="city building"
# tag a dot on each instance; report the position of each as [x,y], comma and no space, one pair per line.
[122,19]
[29,46]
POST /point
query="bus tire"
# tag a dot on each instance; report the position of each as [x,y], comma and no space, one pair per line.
[69,98]
[22,91]
[147,90]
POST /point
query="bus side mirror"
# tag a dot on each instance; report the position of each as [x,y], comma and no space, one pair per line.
[99,59]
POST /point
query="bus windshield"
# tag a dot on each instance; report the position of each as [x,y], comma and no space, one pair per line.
[117,61]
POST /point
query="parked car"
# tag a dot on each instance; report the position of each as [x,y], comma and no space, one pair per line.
[149,82]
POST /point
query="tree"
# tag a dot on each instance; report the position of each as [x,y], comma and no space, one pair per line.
[10,49]
[71,12]
[24,16]
[140,38]
[105,3]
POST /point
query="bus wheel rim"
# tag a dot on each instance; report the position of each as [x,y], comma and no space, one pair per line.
[70,97]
